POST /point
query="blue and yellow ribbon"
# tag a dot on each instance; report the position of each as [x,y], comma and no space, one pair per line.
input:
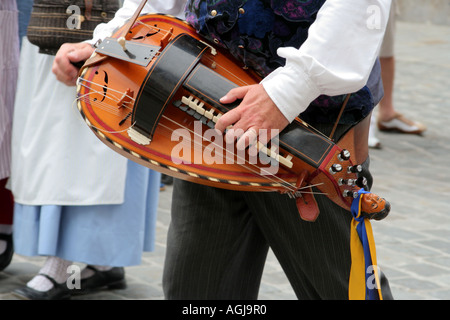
[364,283]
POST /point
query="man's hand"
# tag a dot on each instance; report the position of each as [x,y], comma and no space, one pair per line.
[256,111]
[67,54]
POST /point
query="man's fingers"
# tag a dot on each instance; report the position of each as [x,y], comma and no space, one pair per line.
[227,119]
[64,70]
[75,60]
[232,116]
[80,54]
[247,139]
[69,53]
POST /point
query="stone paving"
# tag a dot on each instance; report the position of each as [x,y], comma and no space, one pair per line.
[413,242]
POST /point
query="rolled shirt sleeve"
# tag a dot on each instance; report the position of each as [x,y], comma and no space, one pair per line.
[337,57]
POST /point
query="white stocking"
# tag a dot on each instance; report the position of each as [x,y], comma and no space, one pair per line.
[87,272]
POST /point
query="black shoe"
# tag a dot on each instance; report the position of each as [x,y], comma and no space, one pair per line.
[6,256]
[110,279]
[58,292]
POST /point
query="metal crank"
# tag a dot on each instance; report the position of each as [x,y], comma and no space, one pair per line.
[373,207]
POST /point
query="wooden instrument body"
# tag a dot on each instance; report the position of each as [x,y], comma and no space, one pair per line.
[110,90]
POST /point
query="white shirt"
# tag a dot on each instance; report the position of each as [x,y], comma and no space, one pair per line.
[337,58]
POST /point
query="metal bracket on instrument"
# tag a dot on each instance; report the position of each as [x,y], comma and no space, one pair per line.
[198,106]
[136,53]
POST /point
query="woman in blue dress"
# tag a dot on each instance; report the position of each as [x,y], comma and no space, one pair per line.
[76,201]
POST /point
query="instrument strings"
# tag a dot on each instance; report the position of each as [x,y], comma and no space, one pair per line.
[230,156]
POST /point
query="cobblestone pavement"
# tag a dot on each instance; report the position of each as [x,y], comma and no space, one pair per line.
[413,242]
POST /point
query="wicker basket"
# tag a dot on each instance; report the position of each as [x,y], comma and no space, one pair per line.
[54,22]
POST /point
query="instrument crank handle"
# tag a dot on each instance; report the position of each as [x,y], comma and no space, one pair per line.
[360,182]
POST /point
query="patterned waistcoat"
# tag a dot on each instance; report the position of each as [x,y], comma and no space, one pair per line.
[253,30]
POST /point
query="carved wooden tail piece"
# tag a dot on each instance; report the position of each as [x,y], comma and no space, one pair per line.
[151,92]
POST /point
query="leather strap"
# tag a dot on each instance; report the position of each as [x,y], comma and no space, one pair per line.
[53,281]
[88,8]
[131,22]
[361,138]
[96,58]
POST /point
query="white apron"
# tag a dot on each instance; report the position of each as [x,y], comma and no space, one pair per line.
[56,158]
[9,52]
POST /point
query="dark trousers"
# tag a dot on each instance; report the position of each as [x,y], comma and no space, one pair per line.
[6,204]
[218,241]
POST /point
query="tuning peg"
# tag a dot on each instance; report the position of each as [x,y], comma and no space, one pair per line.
[349,182]
[344,155]
[354,169]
